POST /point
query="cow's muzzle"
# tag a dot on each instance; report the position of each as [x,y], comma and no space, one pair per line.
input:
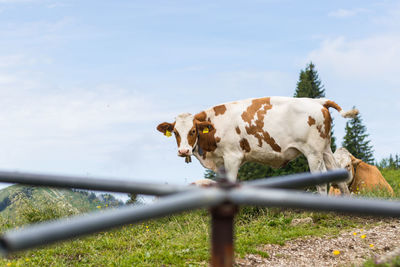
[184,152]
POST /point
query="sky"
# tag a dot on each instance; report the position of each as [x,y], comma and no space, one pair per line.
[83,84]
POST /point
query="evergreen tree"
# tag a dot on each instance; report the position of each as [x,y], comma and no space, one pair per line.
[390,162]
[254,170]
[309,84]
[355,140]
[397,162]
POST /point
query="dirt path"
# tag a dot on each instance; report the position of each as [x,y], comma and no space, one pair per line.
[352,248]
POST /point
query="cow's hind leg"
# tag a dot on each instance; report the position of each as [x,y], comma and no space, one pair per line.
[316,164]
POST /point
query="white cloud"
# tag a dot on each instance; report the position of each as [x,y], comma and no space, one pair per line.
[70,112]
[371,58]
[345,13]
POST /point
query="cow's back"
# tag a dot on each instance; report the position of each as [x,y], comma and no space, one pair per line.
[271,130]
[273,111]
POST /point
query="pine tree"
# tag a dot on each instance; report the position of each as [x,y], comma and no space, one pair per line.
[355,140]
[309,84]
[390,162]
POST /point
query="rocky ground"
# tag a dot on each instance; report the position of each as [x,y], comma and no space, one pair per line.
[351,248]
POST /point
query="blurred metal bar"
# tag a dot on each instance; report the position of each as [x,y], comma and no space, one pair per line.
[100,184]
[308,201]
[50,232]
[301,180]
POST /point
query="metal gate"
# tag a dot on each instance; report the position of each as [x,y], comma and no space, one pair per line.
[223,200]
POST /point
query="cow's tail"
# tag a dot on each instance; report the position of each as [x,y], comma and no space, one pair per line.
[345,114]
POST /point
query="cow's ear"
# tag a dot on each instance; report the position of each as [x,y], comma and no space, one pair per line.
[355,161]
[204,126]
[166,128]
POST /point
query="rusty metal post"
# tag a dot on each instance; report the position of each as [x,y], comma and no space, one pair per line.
[222,232]
[222,225]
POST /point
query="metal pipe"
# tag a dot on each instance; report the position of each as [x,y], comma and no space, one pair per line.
[222,233]
[308,201]
[50,232]
[100,184]
[300,180]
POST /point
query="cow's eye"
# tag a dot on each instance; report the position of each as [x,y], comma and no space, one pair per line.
[192,132]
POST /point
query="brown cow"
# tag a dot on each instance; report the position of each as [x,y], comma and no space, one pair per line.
[363,175]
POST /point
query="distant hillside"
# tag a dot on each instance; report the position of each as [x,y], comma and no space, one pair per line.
[32,204]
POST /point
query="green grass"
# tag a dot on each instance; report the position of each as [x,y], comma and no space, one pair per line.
[183,240]
[393,178]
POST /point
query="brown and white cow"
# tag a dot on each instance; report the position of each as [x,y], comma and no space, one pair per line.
[362,175]
[269,130]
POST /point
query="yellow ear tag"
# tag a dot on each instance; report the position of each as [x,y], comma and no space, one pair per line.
[205,130]
[168,133]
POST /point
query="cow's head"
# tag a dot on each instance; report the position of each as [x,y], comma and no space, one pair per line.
[346,161]
[189,132]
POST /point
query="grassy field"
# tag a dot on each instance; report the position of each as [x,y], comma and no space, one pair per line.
[393,178]
[183,240]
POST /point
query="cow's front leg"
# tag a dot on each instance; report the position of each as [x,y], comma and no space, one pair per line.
[322,189]
[331,164]
[344,190]
[232,165]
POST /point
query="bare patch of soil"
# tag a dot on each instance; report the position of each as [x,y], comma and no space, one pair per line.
[350,248]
